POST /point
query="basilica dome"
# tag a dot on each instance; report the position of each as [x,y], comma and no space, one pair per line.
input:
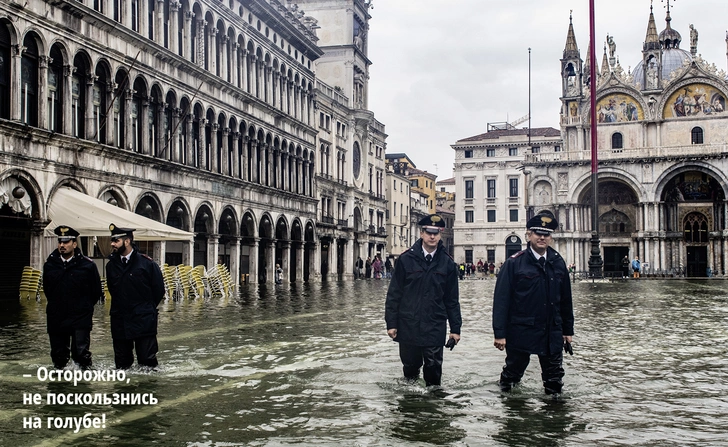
[673,60]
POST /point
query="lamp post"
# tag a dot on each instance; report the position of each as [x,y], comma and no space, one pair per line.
[595,259]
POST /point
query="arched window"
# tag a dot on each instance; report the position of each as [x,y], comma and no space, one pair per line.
[99,105]
[696,135]
[78,98]
[29,83]
[4,71]
[617,141]
[695,228]
[55,90]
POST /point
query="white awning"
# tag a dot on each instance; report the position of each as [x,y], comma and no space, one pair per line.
[91,217]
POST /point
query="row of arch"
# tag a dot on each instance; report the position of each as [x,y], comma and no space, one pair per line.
[214,41]
[70,99]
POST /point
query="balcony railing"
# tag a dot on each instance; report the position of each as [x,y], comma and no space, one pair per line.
[342,223]
[693,150]
[327,219]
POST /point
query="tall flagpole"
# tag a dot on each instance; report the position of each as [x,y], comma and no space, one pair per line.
[595,259]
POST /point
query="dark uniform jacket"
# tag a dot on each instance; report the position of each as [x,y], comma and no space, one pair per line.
[72,290]
[423,297]
[532,306]
[136,288]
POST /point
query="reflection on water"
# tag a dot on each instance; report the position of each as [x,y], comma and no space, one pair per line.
[312,365]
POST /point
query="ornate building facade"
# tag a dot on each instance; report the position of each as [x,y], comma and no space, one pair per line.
[661,139]
[198,114]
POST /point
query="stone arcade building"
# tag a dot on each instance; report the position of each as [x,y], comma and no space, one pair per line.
[199,114]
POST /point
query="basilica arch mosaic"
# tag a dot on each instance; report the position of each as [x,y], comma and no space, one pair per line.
[619,108]
[695,100]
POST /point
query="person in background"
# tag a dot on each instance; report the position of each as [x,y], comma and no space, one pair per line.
[636,267]
[388,266]
[72,287]
[532,308]
[368,268]
[422,299]
[625,267]
[279,274]
[137,287]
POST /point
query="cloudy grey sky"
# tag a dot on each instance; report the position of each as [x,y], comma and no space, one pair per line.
[443,69]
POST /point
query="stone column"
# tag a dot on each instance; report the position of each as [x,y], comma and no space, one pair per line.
[142,15]
[235,259]
[190,158]
[235,171]
[298,176]
[163,139]
[67,99]
[188,249]
[143,129]
[269,165]
[174,144]
[200,44]
[270,261]
[663,255]
[128,135]
[274,88]
[253,261]
[173,24]
[202,145]
[187,36]
[16,84]
[212,250]
[213,148]
[254,75]
[43,62]
[89,123]
[108,125]
[234,47]
[225,152]
[223,58]
[159,23]
[254,168]
[349,260]
[282,92]
[286,260]
[296,100]
[269,85]
[244,66]
[246,161]
[299,247]
[304,103]
[160,252]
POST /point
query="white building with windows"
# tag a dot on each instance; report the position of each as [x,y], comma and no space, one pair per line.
[490,190]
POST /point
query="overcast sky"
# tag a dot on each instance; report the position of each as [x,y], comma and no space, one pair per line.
[443,69]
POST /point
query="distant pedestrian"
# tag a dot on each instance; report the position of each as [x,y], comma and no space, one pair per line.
[279,274]
[72,287]
[388,266]
[625,267]
[636,267]
[368,268]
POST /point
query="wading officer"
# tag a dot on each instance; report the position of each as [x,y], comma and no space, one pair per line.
[532,308]
[72,287]
[422,298]
[136,286]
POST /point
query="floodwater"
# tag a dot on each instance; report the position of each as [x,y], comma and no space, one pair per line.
[311,365]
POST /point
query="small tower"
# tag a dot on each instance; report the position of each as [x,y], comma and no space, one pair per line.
[652,55]
[571,66]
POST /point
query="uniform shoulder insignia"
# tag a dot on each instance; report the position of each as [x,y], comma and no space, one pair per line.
[409,249]
[515,255]
[88,259]
[147,256]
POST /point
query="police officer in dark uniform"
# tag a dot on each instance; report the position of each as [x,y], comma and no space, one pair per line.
[137,287]
[422,298]
[532,308]
[72,287]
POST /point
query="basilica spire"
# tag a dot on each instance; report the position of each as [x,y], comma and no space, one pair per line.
[571,50]
[652,42]
[605,65]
